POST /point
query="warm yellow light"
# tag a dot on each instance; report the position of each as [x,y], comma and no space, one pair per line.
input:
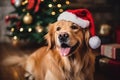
[53,13]
[15,38]
[50,5]
[24,2]
[39,30]
[42,0]
[60,10]
[21,29]
[24,10]
[29,29]
[59,5]
[12,29]
[67,2]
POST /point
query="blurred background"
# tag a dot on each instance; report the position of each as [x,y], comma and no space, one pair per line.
[23,24]
[104,12]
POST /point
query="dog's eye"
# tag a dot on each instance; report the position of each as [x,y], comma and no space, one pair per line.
[74,27]
[58,28]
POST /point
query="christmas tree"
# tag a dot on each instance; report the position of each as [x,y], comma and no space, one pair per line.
[31,18]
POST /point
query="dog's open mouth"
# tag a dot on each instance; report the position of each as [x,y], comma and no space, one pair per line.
[66,49]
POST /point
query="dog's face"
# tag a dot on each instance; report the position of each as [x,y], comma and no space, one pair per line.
[66,36]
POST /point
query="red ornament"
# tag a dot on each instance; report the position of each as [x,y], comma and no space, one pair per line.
[31,4]
[12,2]
[18,25]
[16,3]
[7,19]
[37,5]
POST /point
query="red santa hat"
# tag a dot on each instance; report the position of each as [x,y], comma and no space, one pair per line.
[83,18]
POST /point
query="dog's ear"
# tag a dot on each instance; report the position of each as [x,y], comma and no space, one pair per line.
[50,36]
[86,37]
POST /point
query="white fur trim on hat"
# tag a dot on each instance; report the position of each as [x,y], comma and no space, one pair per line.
[73,18]
[94,42]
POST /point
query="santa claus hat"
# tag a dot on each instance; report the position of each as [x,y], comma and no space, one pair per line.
[83,18]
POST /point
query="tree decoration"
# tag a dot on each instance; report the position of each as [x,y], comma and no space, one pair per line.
[16,3]
[24,2]
[37,6]
[33,16]
[7,19]
[53,13]
[29,29]
[67,2]
[39,28]
[21,29]
[15,41]
[11,17]
[18,25]
[12,2]
[12,30]
[106,34]
[105,30]
[31,4]
[27,19]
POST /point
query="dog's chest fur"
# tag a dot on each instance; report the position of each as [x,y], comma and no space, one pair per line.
[65,68]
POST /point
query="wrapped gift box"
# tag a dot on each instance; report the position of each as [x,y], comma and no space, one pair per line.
[111,51]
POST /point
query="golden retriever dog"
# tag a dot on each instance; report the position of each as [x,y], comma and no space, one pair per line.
[66,57]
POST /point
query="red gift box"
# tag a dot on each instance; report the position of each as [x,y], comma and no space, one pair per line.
[111,51]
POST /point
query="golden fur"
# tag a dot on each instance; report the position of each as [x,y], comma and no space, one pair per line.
[47,64]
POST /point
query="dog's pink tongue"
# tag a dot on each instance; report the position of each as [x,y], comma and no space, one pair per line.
[64,51]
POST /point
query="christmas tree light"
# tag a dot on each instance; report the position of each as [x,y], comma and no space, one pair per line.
[33,17]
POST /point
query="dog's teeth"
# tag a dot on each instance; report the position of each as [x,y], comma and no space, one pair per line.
[26,74]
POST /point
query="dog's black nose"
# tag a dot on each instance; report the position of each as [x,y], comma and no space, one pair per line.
[63,37]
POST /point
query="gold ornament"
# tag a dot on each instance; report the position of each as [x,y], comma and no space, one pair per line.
[39,28]
[27,19]
[24,2]
[105,29]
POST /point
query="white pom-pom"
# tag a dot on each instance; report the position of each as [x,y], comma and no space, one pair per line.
[94,42]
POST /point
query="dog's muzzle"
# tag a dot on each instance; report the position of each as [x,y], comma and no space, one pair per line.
[65,47]
[63,37]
